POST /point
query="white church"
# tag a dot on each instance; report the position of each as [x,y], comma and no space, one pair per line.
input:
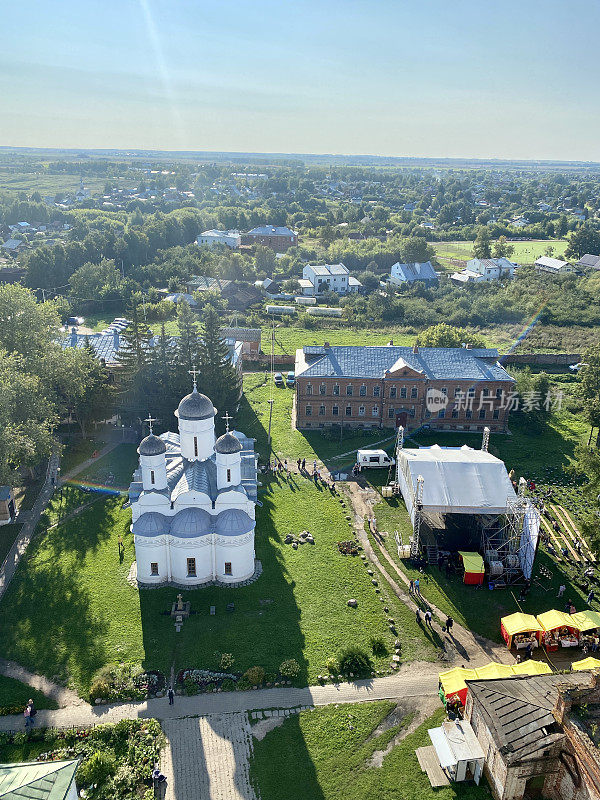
[193,502]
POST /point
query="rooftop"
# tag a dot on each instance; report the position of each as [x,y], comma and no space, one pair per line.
[374,362]
[37,780]
[270,230]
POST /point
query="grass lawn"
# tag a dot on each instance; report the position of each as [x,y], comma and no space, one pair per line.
[115,469]
[297,609]
[8,534]
[13,694]
[325,755]
[525,252]
[76,451]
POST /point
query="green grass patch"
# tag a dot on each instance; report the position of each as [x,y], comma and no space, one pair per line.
[526,252]
[76,451]
[14,694]
[297,609]
[114,470]
[324,755]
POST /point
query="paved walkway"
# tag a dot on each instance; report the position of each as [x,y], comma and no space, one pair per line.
[208,757]
[21,543]
[60,694]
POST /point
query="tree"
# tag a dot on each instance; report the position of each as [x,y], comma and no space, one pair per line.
[443,335]
[589,387]
[369,281]
[92,282]
[132,358]
[416,249]
[188,344]
[502,249]
[218,377]
[586,239]
[482,247]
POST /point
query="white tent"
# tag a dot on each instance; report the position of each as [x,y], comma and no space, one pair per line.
[456,480]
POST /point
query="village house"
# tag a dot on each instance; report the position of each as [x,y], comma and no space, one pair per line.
[535,732]
[249,337]
[320,278]
[409,273]
[374,387]
[553,265]
[485,269]
[589,261]
[211,238]
[278,238]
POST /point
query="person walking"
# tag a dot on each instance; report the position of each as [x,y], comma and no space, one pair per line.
[303,465]
[561,590]
[285,466]
[411,586]
[449,624]
[418,616]
[428,619]
[314,467]
[27,715]
[590,597]
[418,587]
[171,695]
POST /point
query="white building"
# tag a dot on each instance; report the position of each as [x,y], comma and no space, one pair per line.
[553,265]
[485,269]
[211,238]
[320,278]
[192,502]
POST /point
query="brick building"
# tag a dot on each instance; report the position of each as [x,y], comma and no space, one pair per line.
[249,337]
[374,387]
[535,733]
[278,238]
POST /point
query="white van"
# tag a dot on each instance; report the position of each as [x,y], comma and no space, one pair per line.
[373,458]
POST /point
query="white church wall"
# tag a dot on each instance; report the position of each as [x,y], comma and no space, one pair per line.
[148,551]
[154,472]
[199,548]
[228,470]
[151,502]
[197,438]
[237,551]
[195,499]
[234,500]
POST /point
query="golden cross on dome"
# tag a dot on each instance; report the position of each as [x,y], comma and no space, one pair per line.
[194,372]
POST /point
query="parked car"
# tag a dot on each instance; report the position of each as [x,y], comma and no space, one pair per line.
[278,378]
[291,378]
[373,458]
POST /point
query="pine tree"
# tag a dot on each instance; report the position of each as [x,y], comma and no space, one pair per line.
[162,385]
[218,377]
[133,359]
[188,344]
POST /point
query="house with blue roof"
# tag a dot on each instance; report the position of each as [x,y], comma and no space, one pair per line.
[451,388]
[409,273]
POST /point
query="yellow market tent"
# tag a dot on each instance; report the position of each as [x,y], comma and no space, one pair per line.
[551,620]
[453,681]
[586,663]
[518,623]
[493,670]
[530,667]
[585,620]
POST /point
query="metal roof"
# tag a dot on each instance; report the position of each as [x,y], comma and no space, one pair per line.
[589,260]
[37,780]
[269,230]
[457,363]
[417,271]
[519,711]
[242,334]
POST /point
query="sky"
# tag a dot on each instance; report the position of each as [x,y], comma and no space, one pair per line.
[433,78]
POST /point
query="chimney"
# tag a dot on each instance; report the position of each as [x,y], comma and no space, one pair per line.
[415,348]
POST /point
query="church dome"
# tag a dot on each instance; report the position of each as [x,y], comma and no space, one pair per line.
[234,522]
[190,523]
[152,446]
[228,444]
[150,524]
[195,406]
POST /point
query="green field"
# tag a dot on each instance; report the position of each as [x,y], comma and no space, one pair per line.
[326,754]
[15,695]
[297,609]
[525,252]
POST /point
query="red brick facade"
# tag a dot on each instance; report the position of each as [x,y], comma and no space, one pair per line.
[276,242]
[386,402]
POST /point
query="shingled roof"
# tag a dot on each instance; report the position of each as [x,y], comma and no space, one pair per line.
[519,711]
[373,362]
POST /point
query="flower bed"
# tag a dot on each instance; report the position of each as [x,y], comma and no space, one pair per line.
[194,681]
[116,760]
[125,682]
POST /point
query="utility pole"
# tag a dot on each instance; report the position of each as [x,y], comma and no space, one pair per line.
[271,400]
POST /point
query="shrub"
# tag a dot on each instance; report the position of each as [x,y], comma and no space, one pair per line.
[290,668]
[332,665]
[228,685]
[100,766]
[254,676]
[227,661]
[356,661]
[378,646]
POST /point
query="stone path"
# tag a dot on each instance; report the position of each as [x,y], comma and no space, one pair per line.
[208,757]
[21,543]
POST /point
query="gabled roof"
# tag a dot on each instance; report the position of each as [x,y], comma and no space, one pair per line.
[37,780]
[373,362]
[416,271]
[589,260]
[242,334]
[519,711]
[12,244]
[551,263]
[270,230]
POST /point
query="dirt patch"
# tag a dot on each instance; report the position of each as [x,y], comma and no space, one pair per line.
[260,730]
[418,708]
